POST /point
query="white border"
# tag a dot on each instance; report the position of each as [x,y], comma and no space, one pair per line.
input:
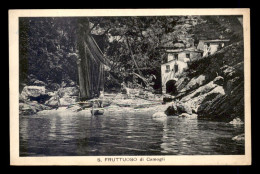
[92,160]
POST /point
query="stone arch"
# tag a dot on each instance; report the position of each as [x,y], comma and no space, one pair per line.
[171,87]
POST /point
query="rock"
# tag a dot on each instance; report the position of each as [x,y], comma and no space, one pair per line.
[26,109]
[224,104]
[31,108]
[21,99]
[194,83]
[74,108]
[201,90]
[32,91]
[219,80]
[239,137]
[178,108]
[229,72]
[53,86]
[183,108]
[39,83]
[184,115]
[193,116]
[63,84]
[236,121]
[159,115]
[194,110]
[201,95]
[67,100]
[40,99]
[182,83]
[167,98]
[171,110]
[51,94]
[53,101]
[223,97]
[68,91]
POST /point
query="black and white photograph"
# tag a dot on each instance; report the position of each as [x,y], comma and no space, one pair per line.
[130,89]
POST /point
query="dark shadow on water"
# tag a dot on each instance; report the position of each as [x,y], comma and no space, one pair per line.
[125,134]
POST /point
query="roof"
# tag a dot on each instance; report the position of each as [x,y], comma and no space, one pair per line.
[183,50]
[216,40]
[173,60]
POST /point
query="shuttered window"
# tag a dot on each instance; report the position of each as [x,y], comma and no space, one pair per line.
[168,68]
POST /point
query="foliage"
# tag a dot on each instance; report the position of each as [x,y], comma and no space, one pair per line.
[49,50]
[46,49]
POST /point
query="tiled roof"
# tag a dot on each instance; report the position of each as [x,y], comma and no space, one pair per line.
[183,50]
[217,40]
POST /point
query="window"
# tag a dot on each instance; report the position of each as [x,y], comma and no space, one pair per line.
[188,55]
[219,46]
[176,68]
[170,57]
[165,58]
[176,56]
[167,68]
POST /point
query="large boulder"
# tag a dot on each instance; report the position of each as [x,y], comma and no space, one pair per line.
[67,100]
[236,121]
[200,91]
[39,83]
[32,91]
[178,108]
[240,137]
[53,86]
[26,109]
[183,108]
[203,94]
[219,80]
[53,101]
[184,115]
[195,83]
[159,115]
[74,108]
[167,98]
[181,83]
[30,108]
[227,106]
[171,110]
[68,91]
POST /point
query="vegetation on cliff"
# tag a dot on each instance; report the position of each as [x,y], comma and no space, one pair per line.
[212,86]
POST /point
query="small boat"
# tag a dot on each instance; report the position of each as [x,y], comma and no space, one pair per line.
[97,107]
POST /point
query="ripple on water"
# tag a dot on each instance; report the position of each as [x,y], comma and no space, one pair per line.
[124,133]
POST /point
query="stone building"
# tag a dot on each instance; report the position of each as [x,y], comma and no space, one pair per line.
[211,46]
[174,64]
[176,61]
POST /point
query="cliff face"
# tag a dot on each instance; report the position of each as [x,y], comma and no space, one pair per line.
[214,86]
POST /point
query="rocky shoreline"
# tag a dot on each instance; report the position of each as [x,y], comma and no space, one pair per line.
[212,88]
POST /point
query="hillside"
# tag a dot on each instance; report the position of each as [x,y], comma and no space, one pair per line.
[214,85]
[211,87]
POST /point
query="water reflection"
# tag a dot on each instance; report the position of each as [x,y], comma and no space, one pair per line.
[124,133]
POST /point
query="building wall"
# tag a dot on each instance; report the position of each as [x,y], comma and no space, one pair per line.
[182,56]
[182,64]
[166,76]
[213,48]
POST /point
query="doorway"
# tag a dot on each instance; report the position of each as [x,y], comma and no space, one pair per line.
[171,87]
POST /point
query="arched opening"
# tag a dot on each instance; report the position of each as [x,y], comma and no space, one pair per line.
[171,87]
